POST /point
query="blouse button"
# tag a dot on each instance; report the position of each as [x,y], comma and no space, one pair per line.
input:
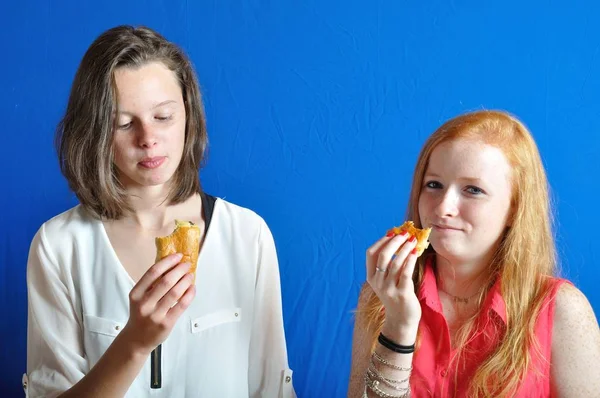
[117,327]
[236,314]
[288,379]
[195,325]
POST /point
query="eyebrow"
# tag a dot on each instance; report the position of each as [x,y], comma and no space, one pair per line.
[470,179]
[163,103]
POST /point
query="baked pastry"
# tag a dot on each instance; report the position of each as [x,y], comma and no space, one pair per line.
[185,239]
[422,235]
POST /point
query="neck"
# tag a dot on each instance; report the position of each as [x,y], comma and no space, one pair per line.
[461,279]
[150,209]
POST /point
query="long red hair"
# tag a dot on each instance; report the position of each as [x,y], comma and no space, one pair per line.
[524,259]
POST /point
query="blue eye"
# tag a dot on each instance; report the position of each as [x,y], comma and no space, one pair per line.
[474,190]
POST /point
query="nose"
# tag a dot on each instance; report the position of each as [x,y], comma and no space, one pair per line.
[147,136]
[447,205]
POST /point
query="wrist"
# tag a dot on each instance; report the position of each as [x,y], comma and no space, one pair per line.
[399,333]
[395,347]
[131,346]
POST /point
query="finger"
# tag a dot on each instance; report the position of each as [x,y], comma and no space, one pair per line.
[385,257]
[406,272]
[173,296]
[166,283]
[373,253]
[184,302]
[403,252]
[154,273]
[398,261]
[396,264]
[373,250]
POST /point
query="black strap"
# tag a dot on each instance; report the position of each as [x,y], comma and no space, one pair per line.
[208,206]
[156,368]
[393,346]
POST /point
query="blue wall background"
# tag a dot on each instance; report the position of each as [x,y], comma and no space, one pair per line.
[316,112]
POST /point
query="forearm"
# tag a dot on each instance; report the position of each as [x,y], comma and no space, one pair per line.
[388,372]
[113,374]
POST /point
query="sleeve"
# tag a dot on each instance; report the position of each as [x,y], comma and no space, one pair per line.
[268,371]
[55,354]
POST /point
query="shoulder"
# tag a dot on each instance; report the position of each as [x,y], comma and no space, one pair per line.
[574,321]
[241,220]
[572,311]
[575,344]
[56,242]
[61,232]
[239,213]
[72,223]
[69,220]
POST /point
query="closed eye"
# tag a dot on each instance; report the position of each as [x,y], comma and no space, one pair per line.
[164,118]
[125,126]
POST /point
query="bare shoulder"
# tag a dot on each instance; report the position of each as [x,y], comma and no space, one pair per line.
[575,345]
[573,311]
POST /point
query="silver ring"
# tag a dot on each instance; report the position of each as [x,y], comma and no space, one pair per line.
[380,269]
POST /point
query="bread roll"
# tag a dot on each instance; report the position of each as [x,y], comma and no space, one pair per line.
[185,239]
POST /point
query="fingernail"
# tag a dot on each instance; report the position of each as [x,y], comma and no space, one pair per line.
[414,251]
[389,234]
[403,233]
[412,239]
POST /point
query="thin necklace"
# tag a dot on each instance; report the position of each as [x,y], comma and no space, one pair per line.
[456,299]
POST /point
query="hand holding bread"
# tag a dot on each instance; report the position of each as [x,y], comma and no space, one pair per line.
[390,265]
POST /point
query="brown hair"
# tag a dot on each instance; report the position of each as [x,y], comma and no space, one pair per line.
[525,258]
[84,136]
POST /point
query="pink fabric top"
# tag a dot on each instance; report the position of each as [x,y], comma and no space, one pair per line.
[434,376]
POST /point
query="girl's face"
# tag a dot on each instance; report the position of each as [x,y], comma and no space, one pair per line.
[466,199]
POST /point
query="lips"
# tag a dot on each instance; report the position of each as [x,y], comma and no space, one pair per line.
[153,162]
[439,227]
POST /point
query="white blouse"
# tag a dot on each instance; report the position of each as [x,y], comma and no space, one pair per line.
[230,342]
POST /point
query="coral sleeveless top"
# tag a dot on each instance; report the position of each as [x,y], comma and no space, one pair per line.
[434,375]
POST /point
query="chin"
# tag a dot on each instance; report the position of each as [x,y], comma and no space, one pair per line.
[162,181]
[152,181]
[447,249]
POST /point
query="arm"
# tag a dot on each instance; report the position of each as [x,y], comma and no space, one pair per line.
[268,372]
[56,360]
[390,278]
[362,357]
[575,360]
[55,353]
[361,350]
[113,374]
